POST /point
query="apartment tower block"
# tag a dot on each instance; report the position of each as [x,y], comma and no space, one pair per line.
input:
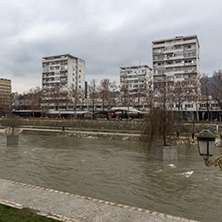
[60,72]
[5,95]
[176,60]
[136,78]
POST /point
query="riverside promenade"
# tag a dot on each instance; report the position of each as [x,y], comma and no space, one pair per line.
[130,136]
[68,207]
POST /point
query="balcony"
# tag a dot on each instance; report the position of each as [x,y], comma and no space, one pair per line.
[190,63]
[178,71]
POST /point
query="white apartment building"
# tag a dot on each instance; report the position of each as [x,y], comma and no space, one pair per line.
[136,78]
[64,70]
[176,59]
[61,71]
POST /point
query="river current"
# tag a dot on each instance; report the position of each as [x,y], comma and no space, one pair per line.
[118,172]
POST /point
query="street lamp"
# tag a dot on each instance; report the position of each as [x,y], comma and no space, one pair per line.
[206,141]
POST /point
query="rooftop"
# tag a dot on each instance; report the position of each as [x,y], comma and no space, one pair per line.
[59,57]
[185,38]
[136,67]
[9,80]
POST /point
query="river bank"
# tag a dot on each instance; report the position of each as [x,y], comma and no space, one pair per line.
[105,134]
[115,171]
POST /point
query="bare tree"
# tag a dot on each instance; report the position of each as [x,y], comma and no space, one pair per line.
[12,122]
[161,122]
[64,94]
[56,97]
[15,100]
[216,87]
[125,95]
[82,98]
[149,98]
[105,93]
[205,91]
[112,98]
[74,97]
[179,93]
[93,94]
[34,99]
[195,92]
[164,96]
[160,125]
[46,100]
[140,94]
[192,91]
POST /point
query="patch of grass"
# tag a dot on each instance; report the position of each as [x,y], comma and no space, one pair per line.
[9,214]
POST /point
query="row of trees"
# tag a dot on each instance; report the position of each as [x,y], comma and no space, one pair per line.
[166,94]
[58,97]
[211,88]
[206,91]
[161,124]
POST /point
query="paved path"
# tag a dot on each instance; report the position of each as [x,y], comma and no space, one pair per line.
[84,134]
[80,131]
[74,208]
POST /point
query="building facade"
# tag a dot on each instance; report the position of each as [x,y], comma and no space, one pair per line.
[59,73]
[176,65]
[64,70]
[176,59]
[136,79]
[5,95]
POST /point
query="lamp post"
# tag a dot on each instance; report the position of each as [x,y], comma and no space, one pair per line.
[206,141]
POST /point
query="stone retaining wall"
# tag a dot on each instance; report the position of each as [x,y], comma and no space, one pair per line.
[131,124]
[99,124]
[80,134]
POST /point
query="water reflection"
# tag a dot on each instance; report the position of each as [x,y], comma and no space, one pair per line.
[118,172]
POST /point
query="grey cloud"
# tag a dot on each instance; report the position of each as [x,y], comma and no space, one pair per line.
[106,34]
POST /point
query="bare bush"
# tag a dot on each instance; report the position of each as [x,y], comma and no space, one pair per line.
[13,123]
[160,128]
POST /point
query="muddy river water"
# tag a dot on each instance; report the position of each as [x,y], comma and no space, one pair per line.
[118,172]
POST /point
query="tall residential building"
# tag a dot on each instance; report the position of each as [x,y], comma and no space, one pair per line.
[5,95]
[175,61]
[63,69]
[61,72]
[136,79]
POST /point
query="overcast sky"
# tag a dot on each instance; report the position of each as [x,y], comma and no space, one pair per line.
[107,34]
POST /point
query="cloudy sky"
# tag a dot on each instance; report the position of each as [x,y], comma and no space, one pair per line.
[107,34]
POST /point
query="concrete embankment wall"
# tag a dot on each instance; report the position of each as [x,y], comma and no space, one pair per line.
[96,124]
[131,124]
[83,134]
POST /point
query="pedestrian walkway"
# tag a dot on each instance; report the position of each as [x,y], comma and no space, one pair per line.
[82,134]
[74,208]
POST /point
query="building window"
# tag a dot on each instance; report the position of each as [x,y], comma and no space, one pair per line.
[159,57]
[168,48]
[160,71]
[189,54]
[178,54]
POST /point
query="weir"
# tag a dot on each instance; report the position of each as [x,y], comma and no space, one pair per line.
[65,206]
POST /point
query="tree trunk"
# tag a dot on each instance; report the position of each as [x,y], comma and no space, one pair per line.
[197,113]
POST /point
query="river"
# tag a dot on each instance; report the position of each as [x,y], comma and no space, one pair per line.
[118,172]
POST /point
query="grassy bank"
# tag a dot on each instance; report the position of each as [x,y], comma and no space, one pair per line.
[9,214]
